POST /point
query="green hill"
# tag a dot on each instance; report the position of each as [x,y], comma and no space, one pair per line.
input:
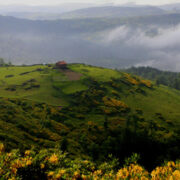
[45,84]
[88,111]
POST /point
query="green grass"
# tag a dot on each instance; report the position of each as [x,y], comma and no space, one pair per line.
[55,88]
[42,79]
[49,79]
[71,87]
[162,100]
[46,78]
[100,74]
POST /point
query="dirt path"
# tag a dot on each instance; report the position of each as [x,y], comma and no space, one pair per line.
[71,75]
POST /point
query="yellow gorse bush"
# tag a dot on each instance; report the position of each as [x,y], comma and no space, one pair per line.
[131,79]
[133,171]
[147,83]
[137,81]
[170,172]
[114,102]
[52,164]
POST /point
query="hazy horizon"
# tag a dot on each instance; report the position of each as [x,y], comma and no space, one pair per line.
[100,2]
[133,36]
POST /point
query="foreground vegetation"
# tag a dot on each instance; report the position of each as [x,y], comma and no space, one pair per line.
[53,164]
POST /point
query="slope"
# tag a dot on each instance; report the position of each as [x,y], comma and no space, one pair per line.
[43,83]
[89,112]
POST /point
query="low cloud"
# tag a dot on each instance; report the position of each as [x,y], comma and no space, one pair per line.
[120,47]
[157,47]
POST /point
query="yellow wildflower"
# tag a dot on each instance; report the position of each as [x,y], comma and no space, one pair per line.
[9,154]
[17,164]
[53,159]
[171,163]
[42,166]
[62,171]
[123,173]
[58,176]
[14,170]
[86,161]
[51,173]
[144,178]
[28,163]
[27,153]
[171,178]
[176,174]
[1,148]
[98,172]
[13,178]
[83,177]
[76,174]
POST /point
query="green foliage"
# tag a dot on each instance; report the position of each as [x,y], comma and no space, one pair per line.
[133,159]
[52,164]
[3,64]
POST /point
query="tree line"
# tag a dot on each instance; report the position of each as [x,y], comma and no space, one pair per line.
[167,78]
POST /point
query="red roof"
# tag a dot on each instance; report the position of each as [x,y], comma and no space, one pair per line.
[61,63]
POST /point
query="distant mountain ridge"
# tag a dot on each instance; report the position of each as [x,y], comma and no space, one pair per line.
[171,7]
[86,10]
[43,12]
[113,11]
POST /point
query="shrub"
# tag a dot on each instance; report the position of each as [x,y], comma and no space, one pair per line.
[52,164]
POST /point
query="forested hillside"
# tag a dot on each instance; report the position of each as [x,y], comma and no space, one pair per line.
[167,78]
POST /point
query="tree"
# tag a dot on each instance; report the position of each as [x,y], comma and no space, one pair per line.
[2,62]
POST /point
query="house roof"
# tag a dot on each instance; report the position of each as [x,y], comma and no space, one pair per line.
[60,63]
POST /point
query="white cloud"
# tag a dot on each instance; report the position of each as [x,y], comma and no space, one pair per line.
[162,50]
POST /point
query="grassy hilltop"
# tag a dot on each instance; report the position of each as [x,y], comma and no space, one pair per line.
[42,83]
[89,112]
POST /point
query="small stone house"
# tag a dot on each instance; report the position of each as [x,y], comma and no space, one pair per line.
[61,65]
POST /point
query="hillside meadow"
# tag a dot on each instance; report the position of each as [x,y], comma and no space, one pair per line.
[42,83]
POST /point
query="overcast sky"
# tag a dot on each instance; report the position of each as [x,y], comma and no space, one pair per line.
[56,2]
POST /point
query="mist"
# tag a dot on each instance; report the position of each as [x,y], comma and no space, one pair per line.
[105,43]
[157,47]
